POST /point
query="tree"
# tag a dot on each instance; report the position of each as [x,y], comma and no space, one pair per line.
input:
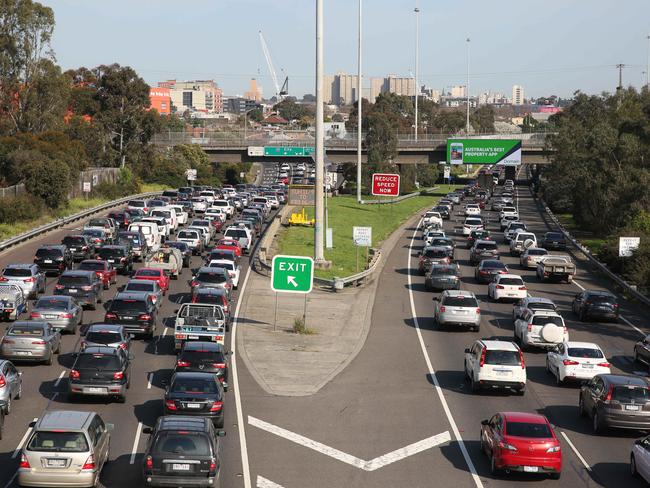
[381,139]
[449,121]
[482,119]
[48,180]
[290,110]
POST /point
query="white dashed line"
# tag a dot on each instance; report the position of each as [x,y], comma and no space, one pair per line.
[576,452]
[58,380]
[165,331]
[136,441]
[23,440]
[149,379]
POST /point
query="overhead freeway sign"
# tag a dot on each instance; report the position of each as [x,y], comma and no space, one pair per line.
[288,151]
[292,274]
[484,151]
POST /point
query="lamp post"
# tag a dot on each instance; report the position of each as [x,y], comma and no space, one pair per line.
[319,248]
[417,64]
[359,104]
[467,89]
[246,121]
[647,70]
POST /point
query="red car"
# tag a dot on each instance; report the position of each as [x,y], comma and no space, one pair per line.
[103,269]
[229,244]
[523,442]
[153,274]
[217,224]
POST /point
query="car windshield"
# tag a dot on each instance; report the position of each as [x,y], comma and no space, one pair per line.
[460,301]
[222,255]
[630,394]
[140,286]
[46,253]
[505,358]
[511,281]
[435,253]
[18,272]
[194,385]
[96,223]
[74,280]
[92,266]
[103,336]
[208,277]
[93,232]
[132,306]
[26,330]
[548,319]
[97,361]
[58,442]
[525,429]
[51,304]
[585,352]
[183,443]
[441,242]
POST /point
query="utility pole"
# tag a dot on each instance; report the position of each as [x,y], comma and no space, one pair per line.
[647,70]
[467,89]
[359,104]
[417,64]
[319,251]
[620,77]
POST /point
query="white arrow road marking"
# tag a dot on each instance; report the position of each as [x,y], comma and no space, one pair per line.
[264,483]
[292,280]
[372,465]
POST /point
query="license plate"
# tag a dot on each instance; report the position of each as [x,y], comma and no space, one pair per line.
[47,261]
[111,260]
[94,389]
[193,337]
[502,372]
[193,405]
[56,463]
[49,316]
[72,290]
[588,366]
[632,407]
[531,469]
[180,467]
[23,353]
[127,318]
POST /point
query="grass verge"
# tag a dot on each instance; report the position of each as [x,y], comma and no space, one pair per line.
[592,241]
[345,213]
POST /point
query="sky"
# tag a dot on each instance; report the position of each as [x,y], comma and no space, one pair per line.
[550,47]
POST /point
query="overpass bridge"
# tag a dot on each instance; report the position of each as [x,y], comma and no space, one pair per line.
[227,146]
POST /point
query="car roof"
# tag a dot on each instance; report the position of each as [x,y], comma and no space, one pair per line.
[60,247]
[211,269]
[100,325]
[142,282]
[625,379]
[78,272]
[494,345]
[63,419]
[210,291]
[509,276]
[130,295]
[604,293]
[100,350]
[202,345]
[492,262]
[64,298]
[531,418]
[20,266]
[195,375]
[113,246]
[484,241]
[538,300]
[458,293]
[183,422]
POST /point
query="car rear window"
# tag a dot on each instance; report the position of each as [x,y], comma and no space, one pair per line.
[209,298]
[554,236]
[93,232]
[460,301]
[601,299]
[51,304]
[504,358]
[585,352]
[202,355]
[207,277]
[92,266]
[526,429]
[486,245]
[103,337]
[473,222]
[46,253]
[511,281]
[186,444]
[222,255]
[58,442]
[140,286]
[97,361]
[18,272]
[110,252]
[447,270]
[73,240]
[442,242]
[548,319]
[25,330]
[541,306]
[627,394]
[236,233]
[148,272]
[229,265]
[137,203]
[73,280]
[188,234]
[494,264]
[121,305]
[201,223]
[198,386]
[537,252]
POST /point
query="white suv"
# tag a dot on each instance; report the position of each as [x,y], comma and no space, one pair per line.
[540,328]
[457,307]
[508,211]
[472,223]
[521,241]
[495,364]
[507,286]
[472,210]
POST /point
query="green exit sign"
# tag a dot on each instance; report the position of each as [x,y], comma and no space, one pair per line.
[288,151]
[292,274]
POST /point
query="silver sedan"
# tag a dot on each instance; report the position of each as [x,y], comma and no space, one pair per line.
[11,385]
[62,312]
[31,341]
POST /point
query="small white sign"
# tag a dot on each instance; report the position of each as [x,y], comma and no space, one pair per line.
[87,187]
[626,245]
[329,238]
[442,162]
[362,236]
[190,174]
[447,172]
[255,150]
[242,175]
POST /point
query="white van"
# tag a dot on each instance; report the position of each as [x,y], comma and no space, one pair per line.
[150,232]
[169,214]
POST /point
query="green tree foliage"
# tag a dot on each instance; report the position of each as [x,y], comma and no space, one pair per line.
[482,119]
[48,180]
[290,110]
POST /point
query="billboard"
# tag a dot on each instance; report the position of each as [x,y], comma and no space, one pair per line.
[484,151]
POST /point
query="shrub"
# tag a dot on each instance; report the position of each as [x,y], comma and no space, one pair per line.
[21,208]
[48,180]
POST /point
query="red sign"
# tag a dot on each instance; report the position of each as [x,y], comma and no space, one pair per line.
[385,184]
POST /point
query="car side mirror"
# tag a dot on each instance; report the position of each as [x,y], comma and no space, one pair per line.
[485,422]
[147,430]
[467,350]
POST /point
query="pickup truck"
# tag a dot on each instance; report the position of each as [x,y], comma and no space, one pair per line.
[169,259]
[199,322]
[12,302]
[556,268]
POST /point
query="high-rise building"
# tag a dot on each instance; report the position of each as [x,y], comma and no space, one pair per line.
[198,95]
[344,89]
[376,87]
[458,91]
[517,95]
[400,85]
[161,100]
[255,92]
[328,83]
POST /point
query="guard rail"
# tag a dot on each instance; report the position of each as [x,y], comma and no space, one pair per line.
[72,218]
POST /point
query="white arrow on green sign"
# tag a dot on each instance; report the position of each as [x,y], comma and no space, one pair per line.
[292,274]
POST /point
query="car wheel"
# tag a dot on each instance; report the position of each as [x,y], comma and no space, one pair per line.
[220,423]
[473,384]
[558,380]
[548,366]
[493,466]
[597,427]
[521,391]
[476,328]
[8,406]
[48,361]
[556,476]
[121,399]
[633,470]
[636,356]
[581,407]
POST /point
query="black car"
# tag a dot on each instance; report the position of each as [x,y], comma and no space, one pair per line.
[594,304]
[53,259]
[554,241]
[442,277]
[204,357]
[488,269]
[475,235]
[134,311]
[483,250]
[100,371]
[80,246]
[182,451]
[199,394]
[216,296]
[139,247]
[123,218]
[84,286]
[185,250]
[118,256]
[443,211]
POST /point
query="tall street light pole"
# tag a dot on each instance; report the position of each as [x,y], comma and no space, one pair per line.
[417,64]
[319,251]
[647,70]
[359,104]
[467,89]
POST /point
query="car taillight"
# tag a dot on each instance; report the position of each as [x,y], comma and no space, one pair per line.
[90,463]
[554,449]
[24,463]
[59,287]
[483,272]
[522,288]
[500,287]
[110,315]
[65,316]
[219,365]
[144,316]
[7,341]
[482,360]
[182,364]
[213,466]
[74,374]
[34,315]
[87,288]
[478,311]
[615,305]
[569,362]
[29,280]
[216,406]
[154,298]
[603,365]
[509,447]
[3,279]
[227,286]
[39,343]
[149,462]
[609,394]
[170,405]
[442,309]
[521,359]
[194,283]
[118,375]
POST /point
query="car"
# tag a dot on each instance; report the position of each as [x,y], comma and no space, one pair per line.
[135,311]
[208,277]
[521,442]
[204,357]
[138,205]
[169,214]
[488,269]
[511,228]
[483,250]
[65,448]
[234,270]
[154,274]
[642,351]
[104,270]
[63,313]
[472,223]
[193,238]
[98,237]
[475,235]
[619,401]
[432,255]
[522,240]
[195,393]
[507,287]
[577,361]
[30,341]
[84,286]
[184,248]
[198,440]
[495,365]
[139,247]
[53,259]
[80,246]
[230,244]
[472,210]
[432,217]
[241,234]
[13,302]
[429,234]
[554,241]
[220,253]
[640,459]
[205,225]
[100,371]
[104,224]
[442,241]
[508,211]
[442,277]
[28,277]
[596,304]
[503,222]
[498,204]
[443,211]
[456,307]
[164,229]
[532,303]
[11,384]
[106,335]
[530,257]
[540,328]
[118,257]
[149,288]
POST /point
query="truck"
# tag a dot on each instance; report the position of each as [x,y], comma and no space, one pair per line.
[12,302]
[199,322]
[169,259]
[556,268]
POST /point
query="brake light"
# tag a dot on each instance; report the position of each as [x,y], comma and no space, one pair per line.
[509,447]
[182,364]
[615,305]
[500,287]
[34,315]
[66,316]
[39,343]
[84,248]
[569,362]
[90,463]
[118,376]
[521,360]
[442,309]
[482,361]
[213,466]
[29,280]
[219,365]
[180,337]
[478,311]
[194,283]
[59,287]
[603,365]
[144,316]
[74,374]
[110,315]
[608,397]
[216,406]
[87,288]
[522,288]
[149,462]
[170,405]
[7,341]
[483,272]
[530,327]
[24,463]
[3,279]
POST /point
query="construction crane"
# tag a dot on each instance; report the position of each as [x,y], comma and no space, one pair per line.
[280,92]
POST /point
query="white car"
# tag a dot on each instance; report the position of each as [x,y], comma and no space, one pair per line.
[472,223]
[285,167]
[508,211]
[506,220]
[233,269]
[301,167]
[199,204]
[512,226]
[430,235]
[137,205]
[521,241]
[193,238]
[576,361]
[217,213]
[531,257]
[169,214]
[495,364]
[241,234]
[181,214]
[225,204]
[273,200]
[209,195]
[472,210]
[161,222]
[640,459]
[432,217]
[540,328]
[507,286]
[205,234]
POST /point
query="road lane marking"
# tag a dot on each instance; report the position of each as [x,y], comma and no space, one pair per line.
[576,452]
[235,381]
[23,440]
[58,380]
[10,482]
[149,379]
[579,285]
[371,465]
[432,373]
[264,483]
[136,441]
[165,331]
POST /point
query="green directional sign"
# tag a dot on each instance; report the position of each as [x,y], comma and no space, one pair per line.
[288,151]
[292,274]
